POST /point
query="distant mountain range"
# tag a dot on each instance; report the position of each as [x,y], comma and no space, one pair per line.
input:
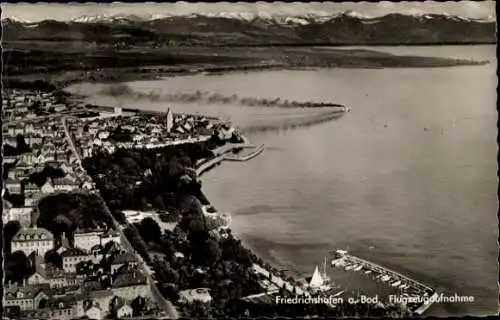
[347,28]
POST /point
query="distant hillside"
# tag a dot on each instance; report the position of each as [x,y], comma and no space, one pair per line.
[343,29]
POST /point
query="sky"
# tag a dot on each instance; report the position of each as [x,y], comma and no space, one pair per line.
[63,12]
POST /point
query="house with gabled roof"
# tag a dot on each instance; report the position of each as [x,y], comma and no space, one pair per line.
[123,259]
[73,256]
[48,187]
[130,284]
[120,308]
[93,310]
[26,297]
[49,274]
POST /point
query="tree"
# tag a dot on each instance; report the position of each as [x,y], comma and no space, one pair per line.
[55,258]
[150,230]
[170,291]
[168,248]
[213,252]
[199,310]
[138,305]
[17,267]
[10,229]
[120,217]
[84,267]
[158,203]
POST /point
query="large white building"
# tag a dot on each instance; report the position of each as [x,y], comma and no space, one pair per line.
[86,240]
[29,240]
[23,215]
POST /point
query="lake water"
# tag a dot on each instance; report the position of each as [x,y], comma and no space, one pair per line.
[407,179]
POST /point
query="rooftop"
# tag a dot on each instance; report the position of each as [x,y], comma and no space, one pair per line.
[124,258]
[73,252]
[129,278]
[30,234]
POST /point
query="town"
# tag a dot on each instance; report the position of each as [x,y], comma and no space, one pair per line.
[90,272]
[104,218]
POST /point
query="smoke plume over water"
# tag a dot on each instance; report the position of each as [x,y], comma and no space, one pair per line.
[204,97]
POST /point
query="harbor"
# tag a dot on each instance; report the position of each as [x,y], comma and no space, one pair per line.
[419,296]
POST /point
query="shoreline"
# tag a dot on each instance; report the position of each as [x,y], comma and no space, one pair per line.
[117,75]
[211,61]
[274,263]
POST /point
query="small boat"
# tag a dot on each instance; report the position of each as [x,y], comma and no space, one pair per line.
[358,268]
[337,262]
[395,284]
[341,263]
[385,278]
[403,286]
[349,267]
[368,271]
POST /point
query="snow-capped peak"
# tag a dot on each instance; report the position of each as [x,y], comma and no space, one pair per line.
[116,17]
[285,19]
[354,14]
[14,19]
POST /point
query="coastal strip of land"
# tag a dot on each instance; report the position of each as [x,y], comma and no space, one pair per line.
[63,65]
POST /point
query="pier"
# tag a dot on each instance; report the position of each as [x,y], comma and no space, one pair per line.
[383,270]
[221,155]
[415,288]
[247,157]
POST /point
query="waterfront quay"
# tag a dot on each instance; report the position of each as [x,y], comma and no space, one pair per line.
[405,286]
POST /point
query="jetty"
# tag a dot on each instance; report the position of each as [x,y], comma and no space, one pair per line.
[221,154]
[412,287]
[247,157]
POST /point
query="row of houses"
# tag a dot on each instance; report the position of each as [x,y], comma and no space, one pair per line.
[104,260]
[96,277]
[48,147]
[24,104]
[40,240]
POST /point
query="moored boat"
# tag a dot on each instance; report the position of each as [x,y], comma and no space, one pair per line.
[320,280]
[395,284]
[385,278]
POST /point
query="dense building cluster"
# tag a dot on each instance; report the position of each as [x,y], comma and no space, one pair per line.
[89,273]
[111,132]
[30,147]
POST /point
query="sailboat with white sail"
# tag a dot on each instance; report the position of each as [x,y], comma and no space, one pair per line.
[320,280]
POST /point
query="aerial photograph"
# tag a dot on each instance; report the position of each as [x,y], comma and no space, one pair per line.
[249,160]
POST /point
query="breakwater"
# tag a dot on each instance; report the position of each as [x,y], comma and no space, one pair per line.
[406,285]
